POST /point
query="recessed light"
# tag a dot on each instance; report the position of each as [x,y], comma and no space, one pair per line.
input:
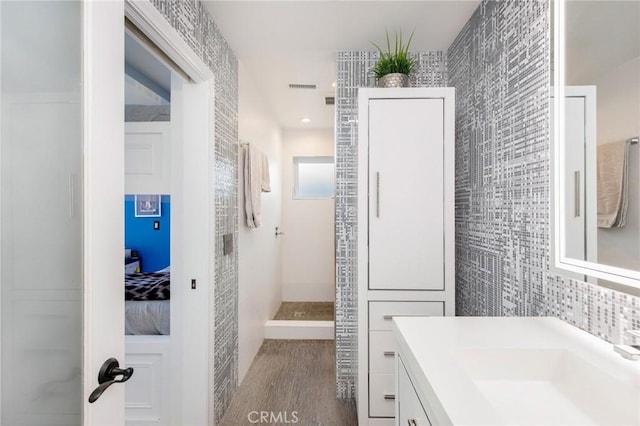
[306,120]
[333,84]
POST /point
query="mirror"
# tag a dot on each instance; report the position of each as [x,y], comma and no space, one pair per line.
[596,150]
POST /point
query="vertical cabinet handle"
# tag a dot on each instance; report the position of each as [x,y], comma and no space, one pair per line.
[377,194]
[576,193]
[72,196]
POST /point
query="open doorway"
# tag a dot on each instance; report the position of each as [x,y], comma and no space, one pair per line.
[168,187]
[308,249]
[147,233]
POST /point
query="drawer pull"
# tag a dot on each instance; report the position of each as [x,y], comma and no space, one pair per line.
[387,317]
[389,396]
[389,353]
[412,422]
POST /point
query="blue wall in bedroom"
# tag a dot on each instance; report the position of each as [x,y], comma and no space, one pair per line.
[153,246]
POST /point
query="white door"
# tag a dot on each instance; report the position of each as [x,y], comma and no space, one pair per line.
[147,158]
[62,179]
[406,194]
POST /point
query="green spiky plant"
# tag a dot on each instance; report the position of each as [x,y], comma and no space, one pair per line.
[397,61]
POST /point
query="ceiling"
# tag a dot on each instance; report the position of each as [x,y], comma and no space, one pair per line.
[282,42]
[145,67]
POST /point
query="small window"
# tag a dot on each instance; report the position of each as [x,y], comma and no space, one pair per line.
[313,177]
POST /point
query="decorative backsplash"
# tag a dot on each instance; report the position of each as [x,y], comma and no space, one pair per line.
[193,22]
[353,72]
[499,65]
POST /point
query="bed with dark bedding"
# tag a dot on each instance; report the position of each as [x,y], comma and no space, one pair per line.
[147,299]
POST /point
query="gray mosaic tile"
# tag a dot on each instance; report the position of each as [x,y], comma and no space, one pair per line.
[193,22]
[353,71]
[499,65]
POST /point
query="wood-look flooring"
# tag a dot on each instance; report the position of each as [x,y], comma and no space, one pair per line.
[305,311]
[293,379]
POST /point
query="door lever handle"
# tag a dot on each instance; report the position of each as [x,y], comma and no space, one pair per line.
[107,376]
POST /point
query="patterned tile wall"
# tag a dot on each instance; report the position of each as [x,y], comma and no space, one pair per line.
[499,65]
[353,72]
[193,22]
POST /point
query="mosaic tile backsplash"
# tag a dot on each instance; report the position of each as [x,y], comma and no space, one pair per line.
[353,72]
[499,65]
[193,22]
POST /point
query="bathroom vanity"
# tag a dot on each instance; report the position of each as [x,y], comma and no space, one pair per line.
[510,371]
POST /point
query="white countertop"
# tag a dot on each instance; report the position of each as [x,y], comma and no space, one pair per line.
[513,370]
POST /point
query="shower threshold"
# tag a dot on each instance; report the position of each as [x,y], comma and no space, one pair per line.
[303,321]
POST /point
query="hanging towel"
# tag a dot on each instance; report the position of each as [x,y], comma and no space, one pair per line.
[256,180]
[613,170]
[266,180]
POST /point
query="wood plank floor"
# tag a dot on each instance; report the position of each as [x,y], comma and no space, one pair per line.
[291,379]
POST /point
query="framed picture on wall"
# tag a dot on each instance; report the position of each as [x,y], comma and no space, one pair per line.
[147,205]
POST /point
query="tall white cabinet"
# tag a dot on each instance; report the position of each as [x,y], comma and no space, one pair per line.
[406,253]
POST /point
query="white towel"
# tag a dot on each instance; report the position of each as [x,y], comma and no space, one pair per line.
[613,171]
[256,180]
[266,179]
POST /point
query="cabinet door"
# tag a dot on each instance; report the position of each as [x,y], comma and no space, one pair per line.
[410,409]
[406,194]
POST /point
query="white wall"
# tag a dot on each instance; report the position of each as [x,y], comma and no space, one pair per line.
[618,111]
[308,250]
[259,252]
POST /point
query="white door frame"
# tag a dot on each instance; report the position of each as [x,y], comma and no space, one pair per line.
[103,107]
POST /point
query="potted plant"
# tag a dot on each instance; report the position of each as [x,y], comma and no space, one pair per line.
[393,68]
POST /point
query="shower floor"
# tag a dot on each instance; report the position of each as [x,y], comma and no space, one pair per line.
[305,311]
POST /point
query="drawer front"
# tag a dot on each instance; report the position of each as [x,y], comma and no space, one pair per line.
[382,393]
[381,313]
[382,348]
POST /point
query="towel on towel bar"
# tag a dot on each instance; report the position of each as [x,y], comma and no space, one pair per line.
[613,171]
[256,181]
[265,183]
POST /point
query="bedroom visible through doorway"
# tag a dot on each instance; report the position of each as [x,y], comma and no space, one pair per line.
[147,199]
[147,226]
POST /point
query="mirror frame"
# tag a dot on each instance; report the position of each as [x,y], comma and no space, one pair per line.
[624,277]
